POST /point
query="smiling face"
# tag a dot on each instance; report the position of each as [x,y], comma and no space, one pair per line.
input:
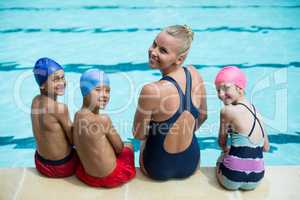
[98,98]
[229,93]
[55,84]
[165,52]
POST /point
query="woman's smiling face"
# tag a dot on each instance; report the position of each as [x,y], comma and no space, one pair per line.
[164,52]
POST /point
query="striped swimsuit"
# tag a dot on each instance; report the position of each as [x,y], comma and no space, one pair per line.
[243,166]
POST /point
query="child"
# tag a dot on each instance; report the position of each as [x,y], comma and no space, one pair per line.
[51,124]
[241,166]
[105,160]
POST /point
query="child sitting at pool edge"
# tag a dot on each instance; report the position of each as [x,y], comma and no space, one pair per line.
[104,159]
[241,165]
[51,123]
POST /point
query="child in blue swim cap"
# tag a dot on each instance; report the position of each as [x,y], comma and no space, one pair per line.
[51,123]
[105,161]
[95,85]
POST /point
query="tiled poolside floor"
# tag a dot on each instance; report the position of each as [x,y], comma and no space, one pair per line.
[280,182]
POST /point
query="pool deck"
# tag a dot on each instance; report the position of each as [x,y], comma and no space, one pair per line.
[280,182]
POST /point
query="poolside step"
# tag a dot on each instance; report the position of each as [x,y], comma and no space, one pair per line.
[280,182]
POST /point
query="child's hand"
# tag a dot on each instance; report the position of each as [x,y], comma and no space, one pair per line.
[226,149]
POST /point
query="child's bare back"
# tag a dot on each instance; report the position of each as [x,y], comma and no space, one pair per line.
[47,114]
[241,120]
[92,135]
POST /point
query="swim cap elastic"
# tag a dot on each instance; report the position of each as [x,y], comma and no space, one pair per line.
[43,68]
[231,74]
[91,79]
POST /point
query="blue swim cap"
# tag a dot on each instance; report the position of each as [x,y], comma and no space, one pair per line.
[43,68]
[91,79]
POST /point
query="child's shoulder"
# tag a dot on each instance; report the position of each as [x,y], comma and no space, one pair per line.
[61,107]
[36,100]
[49,104]
[228,111]
[105,119]
[90,117]
[83,115]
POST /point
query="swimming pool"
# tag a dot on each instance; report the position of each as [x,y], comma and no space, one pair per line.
[263,38]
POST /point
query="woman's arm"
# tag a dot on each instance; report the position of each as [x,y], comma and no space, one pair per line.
[146,104]
[203,105]
[200,96]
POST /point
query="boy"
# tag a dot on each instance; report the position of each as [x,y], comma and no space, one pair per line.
[104,160]
[51,124]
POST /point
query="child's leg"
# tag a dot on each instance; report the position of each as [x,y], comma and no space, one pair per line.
[249,186]
[220,159]
[126,162]
[127,155]
[218,174]
[223,181]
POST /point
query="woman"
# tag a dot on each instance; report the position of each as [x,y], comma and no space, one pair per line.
[170,110]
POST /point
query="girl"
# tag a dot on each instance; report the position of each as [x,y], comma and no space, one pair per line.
[241,165]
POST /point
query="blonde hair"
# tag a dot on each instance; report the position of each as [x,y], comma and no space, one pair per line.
[182,32]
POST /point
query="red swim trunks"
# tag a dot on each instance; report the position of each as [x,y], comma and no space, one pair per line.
[123,172]
[57,168]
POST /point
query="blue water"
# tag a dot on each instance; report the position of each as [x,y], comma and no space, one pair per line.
[262,37]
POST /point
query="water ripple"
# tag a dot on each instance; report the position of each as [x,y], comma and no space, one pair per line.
[251,29]
[204,142]
[127,67]
[110,7]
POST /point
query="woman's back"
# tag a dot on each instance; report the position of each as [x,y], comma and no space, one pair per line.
[171,144]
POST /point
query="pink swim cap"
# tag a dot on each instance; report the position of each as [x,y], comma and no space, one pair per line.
[231,74]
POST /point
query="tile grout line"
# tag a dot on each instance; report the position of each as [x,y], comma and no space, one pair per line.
[126,191]
[235,195]
[20,184]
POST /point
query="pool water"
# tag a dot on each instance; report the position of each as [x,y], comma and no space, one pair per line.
[263,38]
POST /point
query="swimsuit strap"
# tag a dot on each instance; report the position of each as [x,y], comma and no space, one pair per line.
[188,89]
[255,118]
[181,95]
[254,121]
[184,97]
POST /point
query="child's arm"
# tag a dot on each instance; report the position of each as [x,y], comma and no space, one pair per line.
[222,131]
[65,121]
[112,134]
[266,146]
